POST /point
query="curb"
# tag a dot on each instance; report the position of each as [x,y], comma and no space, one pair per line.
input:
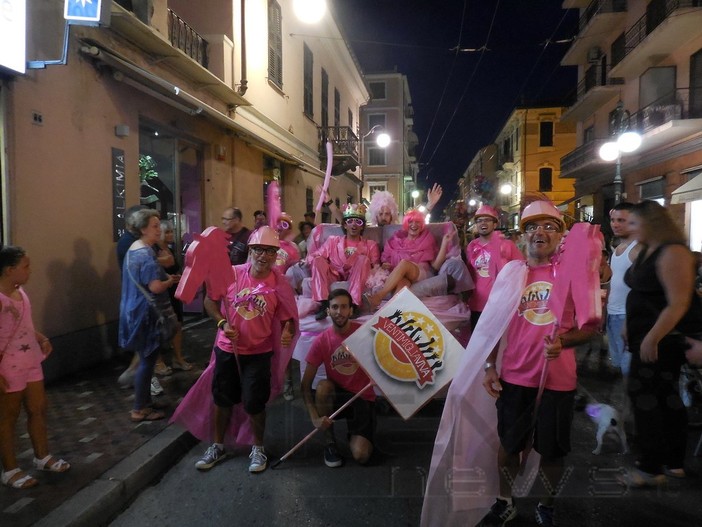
[103,499]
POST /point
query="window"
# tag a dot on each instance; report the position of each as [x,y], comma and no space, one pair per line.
[546,133]
[325,98]
[307,81]
[377,186]
[275,45]
[377,90]
[589,134]
[350,119]
[337,108]
[376,119]
[516,139]
[376,157]
[653,189]
[309,199]
[545,179]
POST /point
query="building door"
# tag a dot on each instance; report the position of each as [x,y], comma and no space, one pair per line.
[170,169]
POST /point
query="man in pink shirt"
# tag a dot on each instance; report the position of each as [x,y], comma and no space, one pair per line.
[530,338]
[348,257]
[344,379]
[259,309]
[486,255]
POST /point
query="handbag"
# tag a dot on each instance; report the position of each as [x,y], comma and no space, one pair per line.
[161,308]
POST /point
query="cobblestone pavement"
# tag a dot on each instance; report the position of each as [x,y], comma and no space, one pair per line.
[89,426]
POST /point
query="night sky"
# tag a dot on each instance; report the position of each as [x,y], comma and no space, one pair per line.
[461,100]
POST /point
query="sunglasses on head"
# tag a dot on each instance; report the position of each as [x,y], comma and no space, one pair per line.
[355,221]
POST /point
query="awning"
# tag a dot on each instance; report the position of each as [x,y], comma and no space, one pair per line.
[690,191]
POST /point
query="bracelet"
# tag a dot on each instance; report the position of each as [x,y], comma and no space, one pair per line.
[327,203]
[488,365]
[221,323]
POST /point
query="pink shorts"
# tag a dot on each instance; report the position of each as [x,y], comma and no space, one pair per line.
[18,370]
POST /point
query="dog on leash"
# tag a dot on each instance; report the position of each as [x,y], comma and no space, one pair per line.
[607,419]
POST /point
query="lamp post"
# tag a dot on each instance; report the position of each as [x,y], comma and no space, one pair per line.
[622,141]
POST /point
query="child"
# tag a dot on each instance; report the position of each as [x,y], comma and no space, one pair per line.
[22,350]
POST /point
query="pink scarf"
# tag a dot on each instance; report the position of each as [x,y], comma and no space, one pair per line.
[401,247]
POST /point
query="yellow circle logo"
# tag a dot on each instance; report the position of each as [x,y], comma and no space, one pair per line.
[534,304]
[409,347]
[249,304]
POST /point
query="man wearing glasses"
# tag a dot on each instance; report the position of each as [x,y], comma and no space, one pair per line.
[349,257]
[486,255]
[238,235]
[256,323]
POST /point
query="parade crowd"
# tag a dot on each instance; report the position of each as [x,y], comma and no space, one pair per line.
[653,323]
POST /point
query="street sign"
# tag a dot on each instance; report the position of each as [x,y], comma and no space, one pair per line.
[87,12]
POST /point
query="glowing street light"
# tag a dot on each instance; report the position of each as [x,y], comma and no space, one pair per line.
[623,141]
[506,188]
[309,11]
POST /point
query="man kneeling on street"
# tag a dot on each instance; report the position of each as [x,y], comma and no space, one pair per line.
[345,378]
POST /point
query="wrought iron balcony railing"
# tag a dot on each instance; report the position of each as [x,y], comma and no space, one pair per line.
[345,144]
[597,7]
[186,39]
[596,75]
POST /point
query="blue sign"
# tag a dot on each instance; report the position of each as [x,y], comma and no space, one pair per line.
[82,10]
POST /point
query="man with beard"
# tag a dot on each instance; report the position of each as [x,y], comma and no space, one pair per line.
[257,301]
[238,235]
[486,255]
[344,379]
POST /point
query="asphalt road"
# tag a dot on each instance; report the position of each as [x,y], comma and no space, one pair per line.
[304,492]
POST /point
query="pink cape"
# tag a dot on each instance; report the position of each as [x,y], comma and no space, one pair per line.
[401,247]
[196,411]
[463,480]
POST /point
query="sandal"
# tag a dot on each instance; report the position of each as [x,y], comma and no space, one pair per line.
[56,465]
[162,370]
[17,479]
[146,414]
[182,365]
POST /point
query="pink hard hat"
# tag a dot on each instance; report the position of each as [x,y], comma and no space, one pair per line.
[487,210]
[264,236]
[540,210]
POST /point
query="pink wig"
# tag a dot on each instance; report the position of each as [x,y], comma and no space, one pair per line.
[381,199]
[413,215]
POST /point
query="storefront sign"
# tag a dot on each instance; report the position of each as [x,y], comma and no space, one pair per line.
[119,198]
[13,35]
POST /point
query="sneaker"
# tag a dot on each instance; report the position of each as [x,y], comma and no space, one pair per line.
[259,461]
[331,456]
[126,379]
[636,478]
[545,515]
[156,388]
[500,513]
[213,455]
[288,393]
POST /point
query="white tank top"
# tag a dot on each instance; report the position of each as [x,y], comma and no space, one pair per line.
[618,290]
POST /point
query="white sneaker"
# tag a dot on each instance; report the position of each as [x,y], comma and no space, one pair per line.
[259,461]
[156,388]
[288,392]
[212,456]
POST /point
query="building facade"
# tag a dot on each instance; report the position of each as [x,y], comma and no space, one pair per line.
[393,168]
[639,69]
[183,109]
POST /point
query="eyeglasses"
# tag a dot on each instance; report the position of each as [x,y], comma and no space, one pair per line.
[283,225]
[269,251]
[547,227]
[227,219]
[358,222]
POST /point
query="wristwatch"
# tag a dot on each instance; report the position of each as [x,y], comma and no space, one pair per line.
[327,203]
[488,365]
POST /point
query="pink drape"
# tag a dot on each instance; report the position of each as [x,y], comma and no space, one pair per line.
[401,247]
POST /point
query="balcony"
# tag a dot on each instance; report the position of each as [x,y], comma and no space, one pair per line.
[345,148]
[584,161]
[669,119]
[594,89]
[600,17]
[657,34]
[171,41]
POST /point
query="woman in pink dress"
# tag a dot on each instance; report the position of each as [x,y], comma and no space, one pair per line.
[22,350]
[412,256]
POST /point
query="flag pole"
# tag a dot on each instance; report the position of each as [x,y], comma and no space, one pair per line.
[313,432]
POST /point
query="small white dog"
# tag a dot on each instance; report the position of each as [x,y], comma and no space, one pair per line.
[607,419]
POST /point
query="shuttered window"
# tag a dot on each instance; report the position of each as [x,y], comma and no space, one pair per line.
[275,45]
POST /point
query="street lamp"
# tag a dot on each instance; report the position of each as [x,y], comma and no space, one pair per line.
[382,140]
[415,196]
[309,11]
[622,141]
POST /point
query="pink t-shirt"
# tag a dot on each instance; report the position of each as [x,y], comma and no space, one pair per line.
[484,265]
[523,358]
[288,255]
[342,369]
[252,305]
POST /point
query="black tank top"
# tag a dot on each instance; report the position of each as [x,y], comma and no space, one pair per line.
[647,299]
